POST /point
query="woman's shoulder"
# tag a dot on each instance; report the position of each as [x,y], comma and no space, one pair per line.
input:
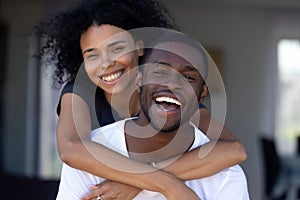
[83,91]
[73,89]
[68,87]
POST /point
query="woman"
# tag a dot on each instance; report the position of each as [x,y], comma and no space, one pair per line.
[73,37]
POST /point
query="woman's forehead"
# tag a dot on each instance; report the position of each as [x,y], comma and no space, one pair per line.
[104,35]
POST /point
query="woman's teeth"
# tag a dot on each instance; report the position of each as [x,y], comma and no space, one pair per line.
[112,77]
[167,100]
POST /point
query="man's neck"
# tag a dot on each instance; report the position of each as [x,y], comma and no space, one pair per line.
[147,145]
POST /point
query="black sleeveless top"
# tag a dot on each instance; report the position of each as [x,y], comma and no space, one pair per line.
[101,112]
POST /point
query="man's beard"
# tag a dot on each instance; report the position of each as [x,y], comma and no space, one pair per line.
[155,125]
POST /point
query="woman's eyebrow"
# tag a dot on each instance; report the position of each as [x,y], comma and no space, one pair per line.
[89,50]
[109,45]
[116,42]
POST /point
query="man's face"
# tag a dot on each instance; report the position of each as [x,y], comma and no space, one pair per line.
[171,87]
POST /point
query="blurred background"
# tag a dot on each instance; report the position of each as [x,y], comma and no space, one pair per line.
[256,45]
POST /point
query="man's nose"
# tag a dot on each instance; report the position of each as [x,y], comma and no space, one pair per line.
[174,80]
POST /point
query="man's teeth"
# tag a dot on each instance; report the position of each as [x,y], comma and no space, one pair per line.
[112,77]
[168,100]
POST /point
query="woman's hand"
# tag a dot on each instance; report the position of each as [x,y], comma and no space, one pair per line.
[180,191]
[110,190]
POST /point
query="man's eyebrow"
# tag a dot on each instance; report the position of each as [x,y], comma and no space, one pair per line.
[161,63]
[186,67]
[109,45]
[190,67]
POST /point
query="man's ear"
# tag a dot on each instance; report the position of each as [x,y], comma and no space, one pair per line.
[138,80]
[203,94]
[140,47]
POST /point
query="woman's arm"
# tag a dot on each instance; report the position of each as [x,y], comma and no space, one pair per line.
[222,152]
[75,147]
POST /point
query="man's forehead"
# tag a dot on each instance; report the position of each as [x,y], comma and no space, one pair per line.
[169,45]
[180,49]
[161,54]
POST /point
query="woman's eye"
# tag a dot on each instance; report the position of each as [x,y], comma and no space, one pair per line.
[118,49]
[92,56]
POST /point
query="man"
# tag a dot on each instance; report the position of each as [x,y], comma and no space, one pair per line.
[171,85]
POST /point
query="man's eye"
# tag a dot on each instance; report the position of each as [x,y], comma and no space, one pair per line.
[159,73]
[189,77]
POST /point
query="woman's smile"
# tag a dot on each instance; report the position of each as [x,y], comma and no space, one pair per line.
[112,77]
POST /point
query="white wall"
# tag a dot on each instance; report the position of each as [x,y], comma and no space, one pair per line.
[19,16]
[19,148]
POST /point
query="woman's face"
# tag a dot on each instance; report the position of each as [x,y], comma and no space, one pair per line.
[109,53]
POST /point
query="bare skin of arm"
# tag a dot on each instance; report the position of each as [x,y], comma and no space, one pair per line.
[203,161]
[75,147]
[222,152]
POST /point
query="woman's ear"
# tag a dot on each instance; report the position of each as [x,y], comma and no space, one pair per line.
[140,47]
[203,94]
[138,80]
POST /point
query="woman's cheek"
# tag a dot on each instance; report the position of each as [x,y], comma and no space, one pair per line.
[130,60]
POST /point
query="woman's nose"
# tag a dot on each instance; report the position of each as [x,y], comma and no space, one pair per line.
[106,61]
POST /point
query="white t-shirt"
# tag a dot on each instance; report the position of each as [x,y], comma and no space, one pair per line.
[229,184]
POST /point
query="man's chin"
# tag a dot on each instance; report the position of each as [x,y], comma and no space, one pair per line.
[165,128]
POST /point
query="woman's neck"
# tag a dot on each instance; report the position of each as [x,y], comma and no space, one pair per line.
[125,104]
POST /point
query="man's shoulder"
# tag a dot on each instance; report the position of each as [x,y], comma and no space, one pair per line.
[236,170]
[199,135]
[119,125]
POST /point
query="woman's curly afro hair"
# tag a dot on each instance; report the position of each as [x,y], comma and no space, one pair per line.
[60,35]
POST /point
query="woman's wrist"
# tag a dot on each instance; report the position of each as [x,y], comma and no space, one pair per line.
[165,180]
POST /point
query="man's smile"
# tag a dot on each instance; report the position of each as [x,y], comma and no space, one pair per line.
[167,101]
